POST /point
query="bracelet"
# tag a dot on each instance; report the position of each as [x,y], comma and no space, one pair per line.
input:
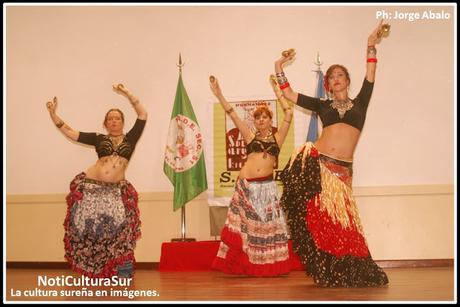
[229,111]
[284,85]
[287,121]
[371,60]
[59,124]
[281,80]
[371,49]
[370,45]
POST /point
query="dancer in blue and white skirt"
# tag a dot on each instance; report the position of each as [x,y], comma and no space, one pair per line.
[102,223]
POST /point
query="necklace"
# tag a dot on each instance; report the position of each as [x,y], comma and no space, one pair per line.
[342,106]
[116,140]
[269,134]
[264,138]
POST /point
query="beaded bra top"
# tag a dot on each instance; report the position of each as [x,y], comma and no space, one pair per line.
[268,145]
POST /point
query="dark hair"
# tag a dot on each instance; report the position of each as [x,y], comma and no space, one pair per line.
[262,109]
[329,72]
[107,114]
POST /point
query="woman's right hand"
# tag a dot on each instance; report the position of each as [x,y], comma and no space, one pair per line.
[376,36]
[286,55]
[120,89]
[215,88]
[52,105]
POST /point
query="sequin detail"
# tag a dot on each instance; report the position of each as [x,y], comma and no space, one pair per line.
[324,222]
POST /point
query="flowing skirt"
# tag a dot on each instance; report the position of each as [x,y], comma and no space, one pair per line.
[254,240]
[324,221]
[102,226]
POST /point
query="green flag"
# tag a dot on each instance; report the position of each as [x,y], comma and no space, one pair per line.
[184,159]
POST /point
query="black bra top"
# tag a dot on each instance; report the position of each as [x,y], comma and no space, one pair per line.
[104,146]
[355,116]
[257,145]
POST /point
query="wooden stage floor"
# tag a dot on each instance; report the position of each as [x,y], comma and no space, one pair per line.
[406,285]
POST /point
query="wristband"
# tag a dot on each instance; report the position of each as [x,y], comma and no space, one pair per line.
[284,85]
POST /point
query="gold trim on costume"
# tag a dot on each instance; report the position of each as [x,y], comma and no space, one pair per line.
[337,199]
[335,158]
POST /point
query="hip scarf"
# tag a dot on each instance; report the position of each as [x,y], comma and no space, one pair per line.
[324,221]
[254,240]
[101,227]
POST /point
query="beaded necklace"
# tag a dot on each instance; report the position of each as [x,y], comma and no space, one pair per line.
[342,106]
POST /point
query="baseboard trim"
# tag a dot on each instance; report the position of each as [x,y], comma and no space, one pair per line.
[358,191]
[419,263]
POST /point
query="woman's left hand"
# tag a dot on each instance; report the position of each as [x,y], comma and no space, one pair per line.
[374,38]
[120,89]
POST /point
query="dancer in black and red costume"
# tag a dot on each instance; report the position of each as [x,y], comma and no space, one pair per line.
[321,212]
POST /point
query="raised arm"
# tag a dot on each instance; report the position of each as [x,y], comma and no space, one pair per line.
[285,87]
[63,127]
[138,107]
[241,125]
[372,41]
[286,105]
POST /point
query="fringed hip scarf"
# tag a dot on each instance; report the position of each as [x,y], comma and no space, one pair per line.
[324,221]
[101,227]
[254,240]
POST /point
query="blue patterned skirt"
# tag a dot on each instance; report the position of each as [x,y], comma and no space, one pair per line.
[102,226]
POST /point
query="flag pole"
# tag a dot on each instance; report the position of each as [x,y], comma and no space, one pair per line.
[182,209]
[312,134]
[318,61]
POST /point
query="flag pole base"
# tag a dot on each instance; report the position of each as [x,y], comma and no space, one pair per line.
[183,240]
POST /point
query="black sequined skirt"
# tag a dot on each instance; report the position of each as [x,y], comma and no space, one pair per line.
[324,222]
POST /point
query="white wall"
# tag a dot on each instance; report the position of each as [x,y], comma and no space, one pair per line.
[77,52]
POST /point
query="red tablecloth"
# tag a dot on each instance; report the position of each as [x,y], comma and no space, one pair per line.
[198,256]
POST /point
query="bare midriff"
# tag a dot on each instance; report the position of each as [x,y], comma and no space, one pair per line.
[338,141]
[257,166]
[108,169]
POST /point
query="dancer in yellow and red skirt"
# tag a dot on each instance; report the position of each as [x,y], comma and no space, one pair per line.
[102,223]
[254,240]
[322,215]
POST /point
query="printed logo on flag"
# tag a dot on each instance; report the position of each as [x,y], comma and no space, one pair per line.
[184,145]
